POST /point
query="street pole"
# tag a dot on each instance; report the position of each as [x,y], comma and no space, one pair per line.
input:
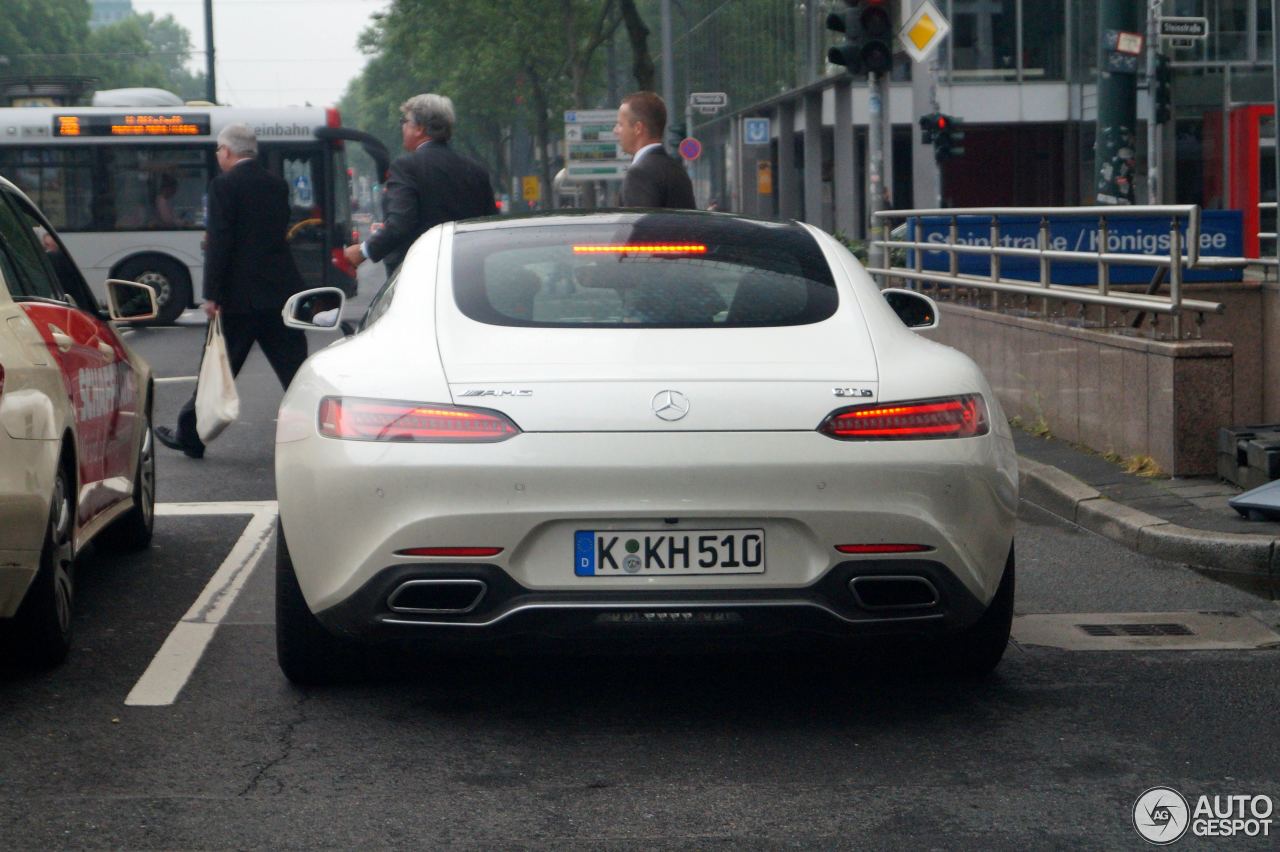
[936,108]
[668,61]
[1153,130]
[210,78]
[877,91]
[1115,161]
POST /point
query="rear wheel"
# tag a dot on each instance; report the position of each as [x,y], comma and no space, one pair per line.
[42,627]
[309,655]
[977,651]
[167,277]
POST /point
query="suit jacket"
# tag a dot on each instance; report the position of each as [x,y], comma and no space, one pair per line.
[428,186]
[658,180]
[248,265]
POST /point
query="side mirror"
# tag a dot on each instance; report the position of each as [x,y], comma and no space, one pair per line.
[315,310]
[131,301]
[916,310]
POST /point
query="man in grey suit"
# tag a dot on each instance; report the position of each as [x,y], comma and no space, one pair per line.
[654,178]
[430,184]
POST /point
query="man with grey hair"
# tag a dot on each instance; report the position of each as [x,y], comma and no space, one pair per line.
[430,184]
[249,272]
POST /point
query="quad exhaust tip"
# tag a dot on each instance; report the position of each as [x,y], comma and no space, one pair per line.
[436,597]
[894,592]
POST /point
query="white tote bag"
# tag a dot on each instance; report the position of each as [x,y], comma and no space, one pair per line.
[217,403]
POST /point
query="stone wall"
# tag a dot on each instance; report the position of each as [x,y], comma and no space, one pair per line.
[1110,392]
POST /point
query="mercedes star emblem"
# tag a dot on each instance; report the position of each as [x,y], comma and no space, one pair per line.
[670,405]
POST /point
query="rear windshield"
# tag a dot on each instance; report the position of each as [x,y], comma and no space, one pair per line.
[663,271]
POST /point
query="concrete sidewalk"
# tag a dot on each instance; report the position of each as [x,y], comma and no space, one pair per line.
[1179,519]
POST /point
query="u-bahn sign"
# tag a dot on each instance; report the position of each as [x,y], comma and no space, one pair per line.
[1184,27]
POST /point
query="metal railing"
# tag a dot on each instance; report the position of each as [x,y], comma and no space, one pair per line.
[1182,255]
[1267,235]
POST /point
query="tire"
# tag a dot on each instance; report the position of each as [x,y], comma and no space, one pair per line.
[133,529]
[169,279]
[308,654]
[976,651]
[42,627]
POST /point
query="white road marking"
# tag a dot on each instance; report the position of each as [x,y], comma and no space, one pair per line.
[1205,631]
[164,380]
[178,657]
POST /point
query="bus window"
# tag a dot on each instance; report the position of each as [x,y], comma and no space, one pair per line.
[153,188]
[303,170]
[58,180]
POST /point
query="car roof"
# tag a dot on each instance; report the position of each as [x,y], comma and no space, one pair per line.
[695,219]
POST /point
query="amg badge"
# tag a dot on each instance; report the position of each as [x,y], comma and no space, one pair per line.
[861,393]
[497,393]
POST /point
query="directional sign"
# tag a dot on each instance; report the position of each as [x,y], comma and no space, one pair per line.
[591,149]
[715,100]
[690,148]
[924,31]
[1184,27]
[755,131]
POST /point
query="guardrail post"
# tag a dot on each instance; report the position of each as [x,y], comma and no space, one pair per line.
[995,260]
[1044,266]
[1175,276]
[1104,269]
[953,235]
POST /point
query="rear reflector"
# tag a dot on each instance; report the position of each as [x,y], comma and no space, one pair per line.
[449,551]
[954,417]
[383,420]
[642,248]
[882,548]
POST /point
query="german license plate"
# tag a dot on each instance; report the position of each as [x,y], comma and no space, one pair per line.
[622,553]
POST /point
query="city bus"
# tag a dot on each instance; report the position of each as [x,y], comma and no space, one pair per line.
[126,187]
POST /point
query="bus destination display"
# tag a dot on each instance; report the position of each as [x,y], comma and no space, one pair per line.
[131,124]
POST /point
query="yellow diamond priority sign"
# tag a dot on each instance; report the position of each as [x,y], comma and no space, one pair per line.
[924,31]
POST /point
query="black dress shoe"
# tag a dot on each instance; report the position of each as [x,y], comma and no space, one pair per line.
[166,436]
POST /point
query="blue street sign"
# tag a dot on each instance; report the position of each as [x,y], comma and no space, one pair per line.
[755,131]
[1221,234]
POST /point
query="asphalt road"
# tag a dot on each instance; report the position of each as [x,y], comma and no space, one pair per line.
[730,751]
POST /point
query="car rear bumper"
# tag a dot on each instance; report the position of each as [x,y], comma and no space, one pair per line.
[349,507]
[916,597]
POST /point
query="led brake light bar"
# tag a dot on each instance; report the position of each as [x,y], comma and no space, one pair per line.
[951,417]
[641,248]
[358,419]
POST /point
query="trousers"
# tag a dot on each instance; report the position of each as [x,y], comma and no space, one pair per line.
[285,348]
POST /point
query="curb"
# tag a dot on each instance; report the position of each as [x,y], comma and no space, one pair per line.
[1067,497]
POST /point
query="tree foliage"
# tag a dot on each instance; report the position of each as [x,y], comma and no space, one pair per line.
[510,68]
[52,37]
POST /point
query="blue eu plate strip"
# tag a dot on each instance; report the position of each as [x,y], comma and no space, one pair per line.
[584,553]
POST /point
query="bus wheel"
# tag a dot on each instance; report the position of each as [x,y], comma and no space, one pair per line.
[168,278]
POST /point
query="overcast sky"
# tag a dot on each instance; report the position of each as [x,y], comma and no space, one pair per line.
[276,52]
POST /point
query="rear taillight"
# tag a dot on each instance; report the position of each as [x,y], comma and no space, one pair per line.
[341,263]
[952,417]
[383,420]
[883,548]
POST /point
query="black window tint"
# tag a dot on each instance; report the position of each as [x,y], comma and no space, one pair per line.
[151,189]
[58,180]
[655,270]
[23,242]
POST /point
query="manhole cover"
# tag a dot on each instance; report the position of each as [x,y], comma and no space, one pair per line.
[1137,629]
[1145,631]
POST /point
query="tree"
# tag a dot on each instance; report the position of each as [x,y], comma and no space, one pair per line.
[142,50]
[43,37]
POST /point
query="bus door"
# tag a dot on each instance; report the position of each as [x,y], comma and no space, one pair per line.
[303,169]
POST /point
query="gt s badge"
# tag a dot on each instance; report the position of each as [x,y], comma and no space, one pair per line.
[502,393]
[856,392]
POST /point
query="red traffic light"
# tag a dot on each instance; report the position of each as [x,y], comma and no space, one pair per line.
[942,122]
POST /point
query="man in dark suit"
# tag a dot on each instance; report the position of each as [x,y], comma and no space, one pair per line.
[430,184]
[249,271]
[654,178]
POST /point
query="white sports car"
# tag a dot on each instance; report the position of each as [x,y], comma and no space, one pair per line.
[637,423]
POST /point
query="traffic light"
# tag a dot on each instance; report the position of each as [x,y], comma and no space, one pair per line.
[868,37]
[947,137]
[929,127]
[1164,89]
